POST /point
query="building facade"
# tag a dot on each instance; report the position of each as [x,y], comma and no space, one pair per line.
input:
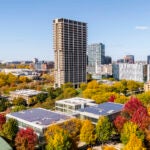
[70,43]
[129,59]
[96,56]
[148,59]
[71,105]
[136,72]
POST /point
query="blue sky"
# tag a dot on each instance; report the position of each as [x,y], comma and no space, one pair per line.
[26,26]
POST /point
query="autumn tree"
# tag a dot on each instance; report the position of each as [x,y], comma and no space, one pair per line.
[87,133]
[93,85]
[134,143]
[103,129]
[141,118]
[130,128]
[57,139]
[108,147]
[119,122]
[73,126]
[10,129]
[132,105]
[18,108]
[69,92]
[2,120]
[26,139]
[19,101]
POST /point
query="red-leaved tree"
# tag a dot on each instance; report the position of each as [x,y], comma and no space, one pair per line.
[141,118]
[2,120]
[26,139]
[112,98]
[119,122]
[132,105]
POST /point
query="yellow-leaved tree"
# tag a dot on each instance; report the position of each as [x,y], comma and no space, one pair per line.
[134,143]
[87,134]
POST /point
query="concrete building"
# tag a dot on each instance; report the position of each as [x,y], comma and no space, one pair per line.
[136,72]
[25,94]
[93,113]
[70,43]
[148,59]
[96,56]
[147,86]
[38,119]
[71,105]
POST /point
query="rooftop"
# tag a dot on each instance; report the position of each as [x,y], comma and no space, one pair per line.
[103,109]
[39,117]
[27,92]
[4,145]
[75,101]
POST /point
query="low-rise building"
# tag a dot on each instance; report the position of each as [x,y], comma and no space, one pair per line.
[93,113]
[147,86]
[38,119]
[72,104]
[25,94]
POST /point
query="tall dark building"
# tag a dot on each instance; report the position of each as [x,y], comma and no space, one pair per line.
[129,59]
[108,60]
[70,43]
[148,59]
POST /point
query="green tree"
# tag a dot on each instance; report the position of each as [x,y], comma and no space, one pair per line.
[83,86]
[130,128]
[69,92]
[18,108]
[19,101]
[10,129]
[104,129]
[41,97]
[87,133]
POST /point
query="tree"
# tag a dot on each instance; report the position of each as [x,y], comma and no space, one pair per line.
[93,85]
[132,105]
[134,143]
[144,98]
[130,128]
[103,129]
[69,92]
[57,139]
[2,121]
[112,98]
[41,97]
[26,139]
[73,126]
[3,105]
[83,86]
[141,118]
[119,122]
[19,101]
[87,132]
[108,148]
[132,85]
[18,108]
[10,128]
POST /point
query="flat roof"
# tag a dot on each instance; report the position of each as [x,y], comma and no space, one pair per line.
[102,109]
[39,117]
[75,101]
[27,92]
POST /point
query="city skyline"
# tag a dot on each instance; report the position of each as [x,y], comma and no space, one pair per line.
[26,26]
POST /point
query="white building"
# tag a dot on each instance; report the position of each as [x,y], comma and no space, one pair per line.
[25,94]
[93,113]
[38,119]
[71,105]
[136,72]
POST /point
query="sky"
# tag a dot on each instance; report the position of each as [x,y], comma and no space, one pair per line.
[26,26]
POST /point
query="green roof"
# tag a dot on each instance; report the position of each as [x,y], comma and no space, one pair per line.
[4,145]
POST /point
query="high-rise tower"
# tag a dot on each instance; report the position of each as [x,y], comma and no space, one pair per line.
[70,42]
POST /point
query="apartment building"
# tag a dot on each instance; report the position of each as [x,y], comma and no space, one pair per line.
[70,43]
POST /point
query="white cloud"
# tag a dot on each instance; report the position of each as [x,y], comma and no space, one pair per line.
[142,28]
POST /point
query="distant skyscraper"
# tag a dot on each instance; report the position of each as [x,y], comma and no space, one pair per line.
[108,60]
[129,59]
[70,43]
[96,56]
[148,59]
